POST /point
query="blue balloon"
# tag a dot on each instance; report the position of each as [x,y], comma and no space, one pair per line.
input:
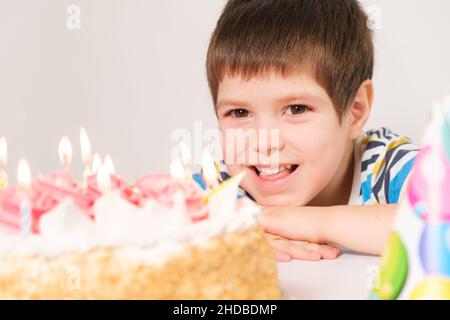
[435,248]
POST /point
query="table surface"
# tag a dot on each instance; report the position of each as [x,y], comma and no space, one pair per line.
[348,277]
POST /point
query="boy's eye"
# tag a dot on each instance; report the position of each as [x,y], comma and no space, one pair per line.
[238,113]
[296,109]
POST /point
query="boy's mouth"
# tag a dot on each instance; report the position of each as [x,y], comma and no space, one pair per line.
[274,173]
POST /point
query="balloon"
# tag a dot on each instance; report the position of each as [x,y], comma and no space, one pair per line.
[435,248]
[432,288]
[394,269]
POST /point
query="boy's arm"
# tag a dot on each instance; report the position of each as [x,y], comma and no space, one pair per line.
[359,228]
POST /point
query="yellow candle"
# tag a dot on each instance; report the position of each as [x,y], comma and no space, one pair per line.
[231,183]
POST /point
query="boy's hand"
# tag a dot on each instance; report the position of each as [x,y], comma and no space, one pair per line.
[295,223]
[358,228]
[293,233]
[285,250]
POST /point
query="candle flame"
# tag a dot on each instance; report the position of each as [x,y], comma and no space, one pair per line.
[86,150]
[209,169]
[108,165]
[23,175]
[65,151]
[177,170]
[103,179]
[96,163]
[3,152]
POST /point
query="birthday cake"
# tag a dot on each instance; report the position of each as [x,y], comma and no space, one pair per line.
[158,238]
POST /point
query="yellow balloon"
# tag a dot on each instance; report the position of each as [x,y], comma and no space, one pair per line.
[432,288]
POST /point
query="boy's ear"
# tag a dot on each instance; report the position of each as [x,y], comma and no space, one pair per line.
[359,110]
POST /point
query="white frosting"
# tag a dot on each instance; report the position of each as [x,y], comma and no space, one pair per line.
[68,223]
[223,202]
[158,229]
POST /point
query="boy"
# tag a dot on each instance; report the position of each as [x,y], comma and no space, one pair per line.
[304,68]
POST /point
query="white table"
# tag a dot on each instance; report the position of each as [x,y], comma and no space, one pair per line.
[348,277]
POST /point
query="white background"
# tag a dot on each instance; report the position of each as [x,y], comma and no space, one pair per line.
[135,71]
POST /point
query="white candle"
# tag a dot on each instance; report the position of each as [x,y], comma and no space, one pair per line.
[177,170]
[96,163]
[24,185]
[108,165]
[104,180]
[186,158]
[209,171]
[86,150]
[65,152]
[86,154]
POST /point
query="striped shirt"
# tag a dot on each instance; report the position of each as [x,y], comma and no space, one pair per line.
[383,162]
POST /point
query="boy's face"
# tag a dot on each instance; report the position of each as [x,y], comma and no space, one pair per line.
[311,145]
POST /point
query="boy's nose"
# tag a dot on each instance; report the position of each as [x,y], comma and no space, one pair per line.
[269,140]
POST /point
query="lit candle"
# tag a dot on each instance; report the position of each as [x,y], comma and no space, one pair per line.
[65,152]
[108,165]
[104,174]
[86,154]
[181,169]
[103,180]
[222,201]
[177,171]
[3,162]
[181,198]
[229,186]
[186,158]
[24,186]
[96,163]
[209,171]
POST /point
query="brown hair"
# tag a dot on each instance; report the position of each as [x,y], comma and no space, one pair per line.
[330,37]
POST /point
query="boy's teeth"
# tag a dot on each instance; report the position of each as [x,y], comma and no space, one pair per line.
[264,171]
[273,171]
[269,171]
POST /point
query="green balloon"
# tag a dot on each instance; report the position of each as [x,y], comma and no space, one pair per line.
[394,269]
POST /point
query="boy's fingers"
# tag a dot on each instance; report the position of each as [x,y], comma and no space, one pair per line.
[279,244]
[295,251]
[278,248]
[310,245]
[281,256]
[326,251]
[285,250]
[329,252]
[303,253]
